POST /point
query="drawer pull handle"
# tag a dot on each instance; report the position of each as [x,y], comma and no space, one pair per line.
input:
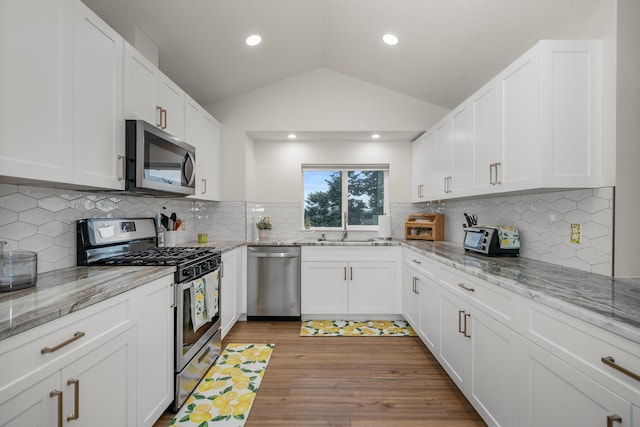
[463,286]
[76,399]
[75,337]
[615,418]
[416,261]
[610,361]
[58,393]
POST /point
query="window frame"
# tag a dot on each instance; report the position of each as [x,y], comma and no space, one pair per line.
[344,169]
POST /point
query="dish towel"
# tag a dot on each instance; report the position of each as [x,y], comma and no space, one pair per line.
[211,282]
[198,307]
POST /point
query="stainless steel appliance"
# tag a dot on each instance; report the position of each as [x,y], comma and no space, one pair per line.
[492,241]
[157,163]
[273,282]
[132,241]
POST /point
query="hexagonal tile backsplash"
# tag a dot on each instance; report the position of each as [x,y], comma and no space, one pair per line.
[42,219]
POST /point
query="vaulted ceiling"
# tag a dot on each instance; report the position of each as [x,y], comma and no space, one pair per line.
[447,48]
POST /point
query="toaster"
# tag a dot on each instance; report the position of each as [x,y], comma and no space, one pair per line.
[492,241]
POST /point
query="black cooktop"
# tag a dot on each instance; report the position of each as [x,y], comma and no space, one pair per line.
[161,256]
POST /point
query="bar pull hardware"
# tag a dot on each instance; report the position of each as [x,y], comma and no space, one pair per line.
[463,286]
[350,273]
[76,399]
[413,285]
[491,181]
[159,110]
[58,393]
[466,316]
[75,337]
[122,161]
[345,273]
[204,186]
[460,312]
[416,261]
[164,114]
[615,418]
[610,361]
[498,182]
[417,289]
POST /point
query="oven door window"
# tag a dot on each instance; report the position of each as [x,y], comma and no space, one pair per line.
[193,327]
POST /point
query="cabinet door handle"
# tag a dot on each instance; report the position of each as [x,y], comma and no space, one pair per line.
[345,273]
[75,337]
[610,361]
[350,273]
[164,114]
[460,313]
[416,287]
[159,111]
[491,166]
[466,316]
[122,164]
[76,399]
[498,182]
[204,186]
[58,393]
[463,286]
[615,418]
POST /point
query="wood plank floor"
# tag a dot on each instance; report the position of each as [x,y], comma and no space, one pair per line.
[349,382]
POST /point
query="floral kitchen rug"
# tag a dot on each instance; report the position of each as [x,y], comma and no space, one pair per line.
[224,396]
[350,328]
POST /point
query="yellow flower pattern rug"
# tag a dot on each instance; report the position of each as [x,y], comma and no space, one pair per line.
[350,328]
[224,396]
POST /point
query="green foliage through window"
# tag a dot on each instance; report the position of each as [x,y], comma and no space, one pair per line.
[326,192]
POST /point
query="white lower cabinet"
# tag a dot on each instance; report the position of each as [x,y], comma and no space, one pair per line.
[455,341]
[153,316]
[410,297]
[108,364]
[95,390]
[429,312]
[636,416]
[556,394]
[230,289]
[347,281]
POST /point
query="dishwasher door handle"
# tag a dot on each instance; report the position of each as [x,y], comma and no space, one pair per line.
[274,255]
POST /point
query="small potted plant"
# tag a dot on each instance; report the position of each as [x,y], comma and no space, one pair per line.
[264,225]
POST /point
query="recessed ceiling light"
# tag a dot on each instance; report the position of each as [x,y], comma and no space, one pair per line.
[375,136]
[253,40]
[390,39]
[292,136]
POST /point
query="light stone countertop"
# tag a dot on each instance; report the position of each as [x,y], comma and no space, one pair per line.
[68,290]
[610,303]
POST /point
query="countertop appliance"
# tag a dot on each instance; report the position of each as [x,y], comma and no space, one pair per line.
[273,283]
[156,163]
[492,241]
[132,241]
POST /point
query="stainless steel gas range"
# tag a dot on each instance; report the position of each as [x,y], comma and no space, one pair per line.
[132,241]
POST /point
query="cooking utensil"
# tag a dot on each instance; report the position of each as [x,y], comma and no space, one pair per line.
[164,220]
[18,269]
[177,225]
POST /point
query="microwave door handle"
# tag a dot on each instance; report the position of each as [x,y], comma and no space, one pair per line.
[190,179]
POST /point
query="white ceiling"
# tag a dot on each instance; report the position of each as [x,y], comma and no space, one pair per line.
[447,49]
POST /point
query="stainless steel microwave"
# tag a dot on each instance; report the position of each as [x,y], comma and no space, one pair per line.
[157,163]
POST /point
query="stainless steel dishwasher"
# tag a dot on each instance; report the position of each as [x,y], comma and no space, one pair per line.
[273,283]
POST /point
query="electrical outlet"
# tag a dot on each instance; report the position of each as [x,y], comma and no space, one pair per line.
[576,233]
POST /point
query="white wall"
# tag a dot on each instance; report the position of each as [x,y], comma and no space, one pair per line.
[277,165]
[320,100]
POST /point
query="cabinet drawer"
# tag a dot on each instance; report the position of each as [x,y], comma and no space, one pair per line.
[584,346]
[500,303]
[420,263]
[58,338]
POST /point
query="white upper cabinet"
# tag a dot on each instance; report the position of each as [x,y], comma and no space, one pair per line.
[36,83]
[418,170]
[204,132]
[536,125]
[68,68]
[486,139]
[98,125]
[152,96]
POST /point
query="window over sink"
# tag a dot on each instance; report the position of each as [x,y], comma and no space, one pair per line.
[344,197]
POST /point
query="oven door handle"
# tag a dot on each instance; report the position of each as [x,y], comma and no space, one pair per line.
[187,284]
